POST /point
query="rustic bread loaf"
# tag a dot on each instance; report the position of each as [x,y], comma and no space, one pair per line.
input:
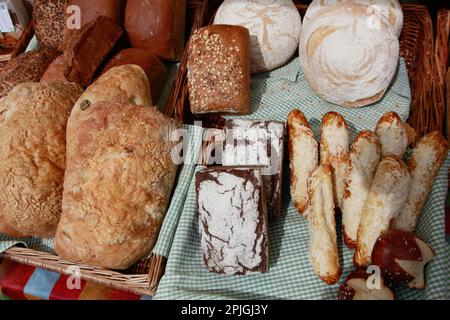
[322,226]
[126,84]
[157,25]
[334,151]
[346,60]
[231,206]
[304,159]
[386,199]
[33,156]
[87,49]
[219,70]
[274,27]
[55,71]
[90,11]
[390,9]
[49,22]
[117,185]
[365,155]
[154,68]
[26,67]
[424,164]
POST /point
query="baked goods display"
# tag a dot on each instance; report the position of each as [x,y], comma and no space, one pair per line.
[323,248]
[154,68]
[274,27]
[219,70]
[346,60]
[87,49]
[32,156]
[258,143]
[117,184]
[381,194]
[49,22]
[55,71]
[389,9]
[234,234]
[304,159]
[157,25]
[26,67]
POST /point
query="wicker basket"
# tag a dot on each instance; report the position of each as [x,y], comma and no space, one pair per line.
[142,278]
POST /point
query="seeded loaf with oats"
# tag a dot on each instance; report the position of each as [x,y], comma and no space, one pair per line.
[117,185]
[33,120]
[219,70]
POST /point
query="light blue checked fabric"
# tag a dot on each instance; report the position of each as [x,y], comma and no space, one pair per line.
[291,275]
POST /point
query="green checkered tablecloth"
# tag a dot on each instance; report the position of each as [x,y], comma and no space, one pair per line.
[274,95]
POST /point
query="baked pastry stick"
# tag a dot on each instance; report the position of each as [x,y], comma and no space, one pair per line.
[322,227]
[424,164]
[365,156]
[395,135]
[387,197]
[334,150]
[303,158]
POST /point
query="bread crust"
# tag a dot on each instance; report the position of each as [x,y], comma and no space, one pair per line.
[55,71]
[322,226]
[424,164]
[304,159]
[219,70]
[334,151]
[27,67]
[395,135]
[157,25]
[117,184]
[154,68]
[32,156]
[387,197]
[364,158]
[49,22]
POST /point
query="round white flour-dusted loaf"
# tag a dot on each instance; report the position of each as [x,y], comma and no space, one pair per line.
[391,9]
[346,59]
[274,25]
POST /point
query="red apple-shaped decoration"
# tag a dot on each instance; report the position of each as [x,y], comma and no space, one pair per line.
[402,257]
[355,287]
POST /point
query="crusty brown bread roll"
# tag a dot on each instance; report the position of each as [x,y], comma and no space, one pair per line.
[49,22]
[32,156]
[157,25]
[424,164]
[55,71]
[364,158]
[27,67]
[395,135]
[304,159]
[322,226]
[154,68]
[386,199]
[117,185]
[334,151]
